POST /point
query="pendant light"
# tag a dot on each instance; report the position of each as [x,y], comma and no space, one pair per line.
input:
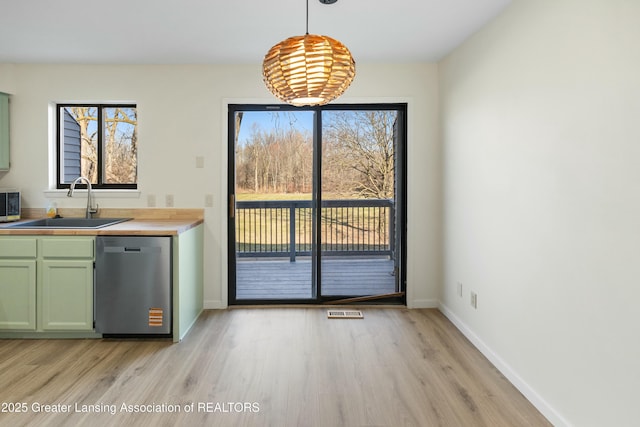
[309,69]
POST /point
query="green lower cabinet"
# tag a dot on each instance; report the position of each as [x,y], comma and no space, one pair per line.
[18,283]
[18,295]
[46,285]
[67,295]
[66,283]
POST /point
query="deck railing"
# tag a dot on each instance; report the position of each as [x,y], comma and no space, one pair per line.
[279,228]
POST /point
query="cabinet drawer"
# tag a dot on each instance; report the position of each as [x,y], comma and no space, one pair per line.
[16,247]
[76,247]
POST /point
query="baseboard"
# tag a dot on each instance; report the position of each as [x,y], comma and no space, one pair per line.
[214,304]
[423,303]
[536,400]
[187,329]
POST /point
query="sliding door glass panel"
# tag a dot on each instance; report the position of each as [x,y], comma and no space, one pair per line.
[357,215]
[274,216]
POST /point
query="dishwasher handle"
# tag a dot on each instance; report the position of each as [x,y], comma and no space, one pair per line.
[132,249]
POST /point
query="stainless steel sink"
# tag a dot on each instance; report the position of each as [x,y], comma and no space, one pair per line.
[69,223]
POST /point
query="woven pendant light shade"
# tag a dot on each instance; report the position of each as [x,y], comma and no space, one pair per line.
[308,70]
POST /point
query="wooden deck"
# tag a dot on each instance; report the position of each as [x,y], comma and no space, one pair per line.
[281,279]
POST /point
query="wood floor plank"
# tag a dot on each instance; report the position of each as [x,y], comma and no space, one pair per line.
[269,367]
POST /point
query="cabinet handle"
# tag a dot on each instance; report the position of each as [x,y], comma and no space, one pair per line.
[232,206]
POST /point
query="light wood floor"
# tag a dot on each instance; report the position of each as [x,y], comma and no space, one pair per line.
[395,367]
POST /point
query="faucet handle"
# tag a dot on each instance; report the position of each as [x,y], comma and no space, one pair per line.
[91,211]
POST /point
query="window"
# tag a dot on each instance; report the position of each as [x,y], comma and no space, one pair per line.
[99,142]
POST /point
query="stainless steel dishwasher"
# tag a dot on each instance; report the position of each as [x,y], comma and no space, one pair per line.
[133,286]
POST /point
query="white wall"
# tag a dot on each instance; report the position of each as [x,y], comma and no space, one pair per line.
[541,141]
[7,82]
[181,112]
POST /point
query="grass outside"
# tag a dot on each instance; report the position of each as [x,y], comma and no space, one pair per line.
[286,196]
[272,196]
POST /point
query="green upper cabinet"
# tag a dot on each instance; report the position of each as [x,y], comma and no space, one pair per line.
[4,131]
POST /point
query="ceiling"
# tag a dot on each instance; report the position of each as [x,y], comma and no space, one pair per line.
[231,31]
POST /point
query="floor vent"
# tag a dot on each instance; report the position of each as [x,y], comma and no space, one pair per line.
[345,314]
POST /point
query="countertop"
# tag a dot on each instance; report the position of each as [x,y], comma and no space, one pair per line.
[145,225]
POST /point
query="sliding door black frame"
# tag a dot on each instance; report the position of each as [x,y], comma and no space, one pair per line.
[401,197]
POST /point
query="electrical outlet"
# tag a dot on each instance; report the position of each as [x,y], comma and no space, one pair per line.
[151,200]
[474,300]
[460,289]
[169,200]
[208,200]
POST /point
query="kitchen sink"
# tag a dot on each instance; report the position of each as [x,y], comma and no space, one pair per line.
[69,223]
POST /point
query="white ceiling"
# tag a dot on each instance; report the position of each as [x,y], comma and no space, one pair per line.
[231,31]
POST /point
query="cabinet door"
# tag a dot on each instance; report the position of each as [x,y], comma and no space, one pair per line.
[67,295]
[4,131]
[18,295]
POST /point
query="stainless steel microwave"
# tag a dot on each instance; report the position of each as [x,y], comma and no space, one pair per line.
[9,205]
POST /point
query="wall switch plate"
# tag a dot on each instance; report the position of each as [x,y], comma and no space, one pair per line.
[151,200]
[169,200]
[199,162]
[208,200]
[474,300]
[460,289]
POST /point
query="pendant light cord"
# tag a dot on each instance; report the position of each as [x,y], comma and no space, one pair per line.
[307,17]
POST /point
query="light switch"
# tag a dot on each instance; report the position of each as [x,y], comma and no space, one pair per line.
[199,162]
[208,200]
[169,200]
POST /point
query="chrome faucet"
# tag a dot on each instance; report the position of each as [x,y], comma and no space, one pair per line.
[90,209]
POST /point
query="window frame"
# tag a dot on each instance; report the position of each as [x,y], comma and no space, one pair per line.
[100,185]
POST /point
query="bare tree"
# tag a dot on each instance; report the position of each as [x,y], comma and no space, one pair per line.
[357,157]
[121,145]
[88,141]
[359,153]
[120,140]
[274,161]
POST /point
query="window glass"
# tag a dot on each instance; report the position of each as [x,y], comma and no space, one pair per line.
[98,142]
[120,148]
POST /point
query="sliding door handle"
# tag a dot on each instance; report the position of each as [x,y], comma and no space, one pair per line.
[232,206]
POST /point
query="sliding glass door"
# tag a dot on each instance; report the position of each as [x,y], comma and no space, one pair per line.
[313,213]
[358,197]
[273,214]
